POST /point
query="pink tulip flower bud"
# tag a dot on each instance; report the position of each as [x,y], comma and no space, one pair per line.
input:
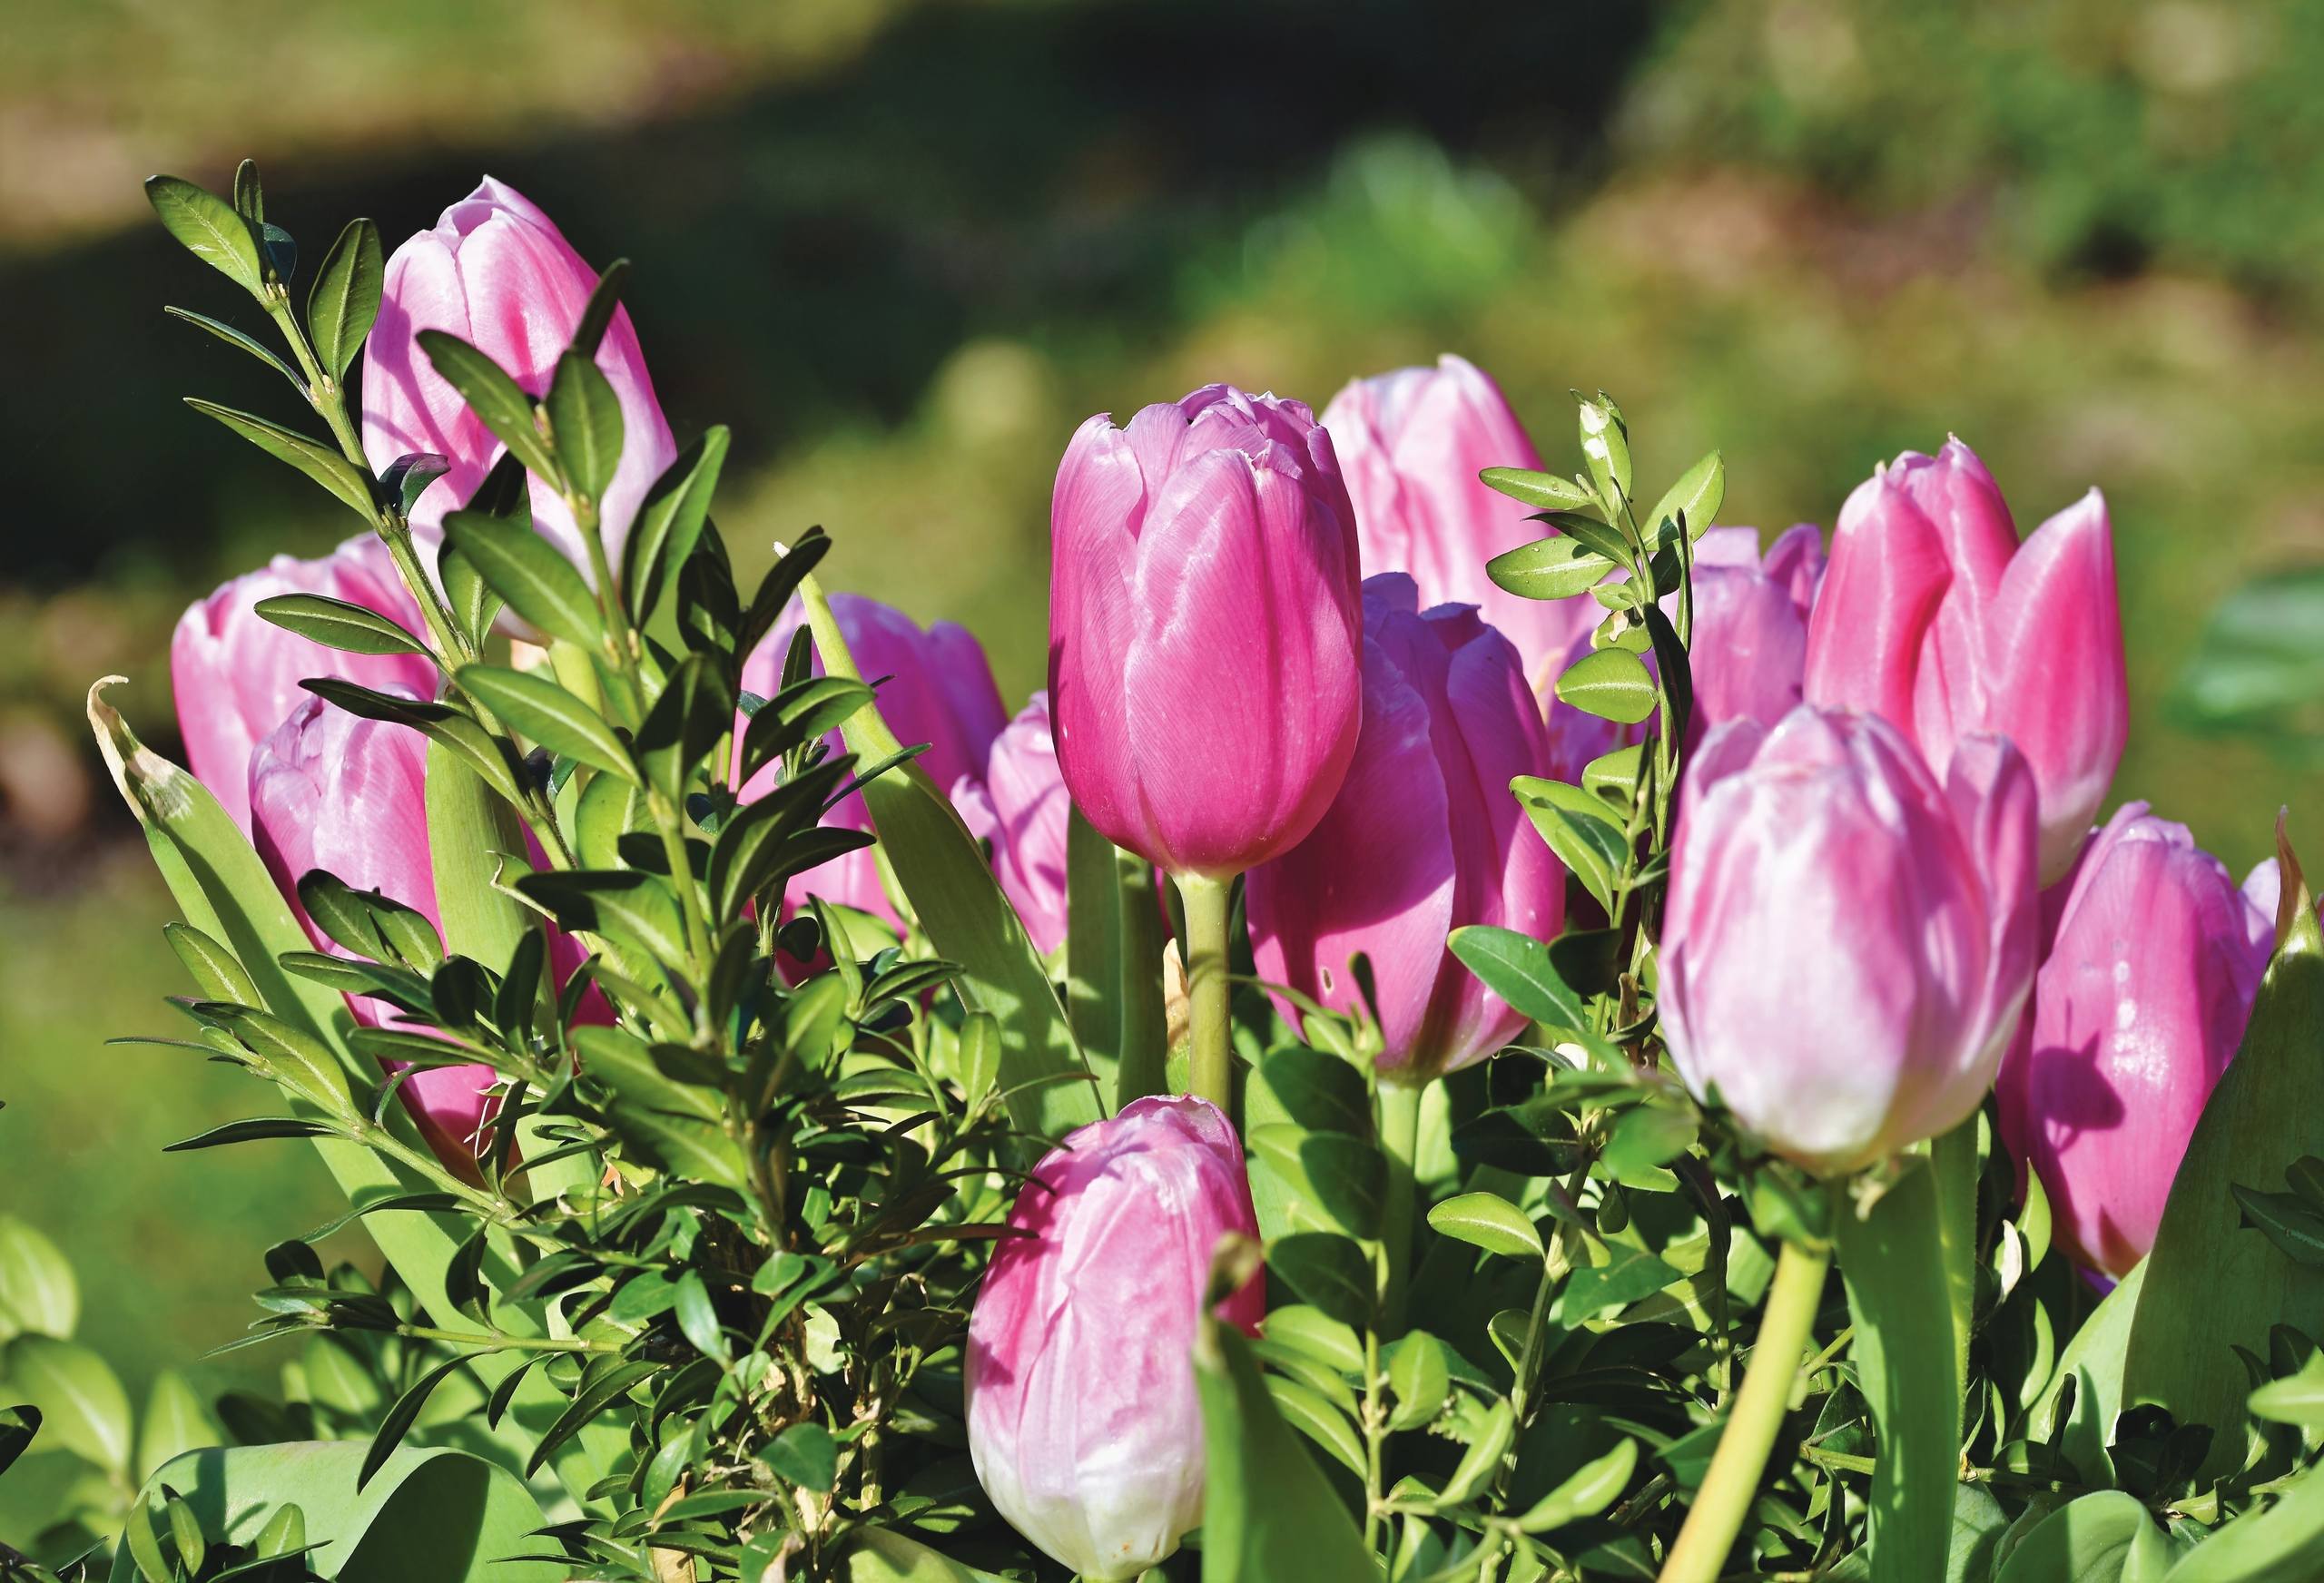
[1083,1423]
[329,791]
[1411,444]
[1205,629]
[1749,644]
[497,273]
[2138,1007]
[236,673]
[1021,807]
[1423,839]
[1847,944]
[1936,617]
[934,686]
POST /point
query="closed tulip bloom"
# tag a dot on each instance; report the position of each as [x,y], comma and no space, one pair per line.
[1205,629]
[935,686]
[2137,1010]
[1411,444]
[1934,615]
[1423,839]
[497,273]
[1847,944]
[1083,1422]
[1749,649]
[236,673]
[329,791]
[1019,805]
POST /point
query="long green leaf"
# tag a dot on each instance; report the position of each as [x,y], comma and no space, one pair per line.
[1550,568]
[584,417]
[336,623]
[1518,968]
[319,461]
[1116,933]
[548,714]
[496,398]
[670,522]
[528,573]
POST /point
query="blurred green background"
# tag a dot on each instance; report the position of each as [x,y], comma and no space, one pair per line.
[904,248]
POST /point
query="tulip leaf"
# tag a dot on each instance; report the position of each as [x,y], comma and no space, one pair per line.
[319,461]
[548,714]
[1488,1221]
[1557,567]
[528,573]
[584,417]
[1611,684]
[2097,1539]
[2282,1542]
[2212,1283]
[209,229]
[670,522]
[345,300]
[38,1292]
[1116,933]
[496,398]
[1268,1513]
[338,624]
[1517,968]
[1693,501]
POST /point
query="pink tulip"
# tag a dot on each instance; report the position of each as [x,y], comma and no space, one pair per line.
[329,791]
[934,686]
[1205,629]
[1936,617]
[236,674]
[1847,944]
[497,273]
[1083,1423]
[1749,644]
[1021,807]
[2137,1009]
[1411,444]
[1423,839]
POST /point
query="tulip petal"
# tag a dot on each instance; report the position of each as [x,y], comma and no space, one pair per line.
[1886,578]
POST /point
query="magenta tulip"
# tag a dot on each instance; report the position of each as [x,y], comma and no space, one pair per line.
[329,791]
[1411,444]
[1020,806]
[236,674]
[497,273]
[935,686]
[1935,616]
[1205,629]
[1749,646]
[1423,839]
[2138,1009]
[1083,1423]
[1847,945]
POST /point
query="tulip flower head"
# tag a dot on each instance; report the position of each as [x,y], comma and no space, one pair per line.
[1083,1422]
[1423,839]
[1205,629]
[1936,617]
[1021,807]
[1847,945]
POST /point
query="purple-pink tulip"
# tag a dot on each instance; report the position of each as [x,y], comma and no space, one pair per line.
[497,273]
[1749,649]
[1205,629]
[935,686]
[1847,944]
[1083,1422]
[1936,617]
[236,673]
[1411,444]
[1423,839]
[329,791]
[1021,807]
[2138,1007]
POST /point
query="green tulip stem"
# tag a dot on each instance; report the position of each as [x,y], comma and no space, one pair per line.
[1786,1330]
[1400,1141]
[1212,1071]
[1954,1157]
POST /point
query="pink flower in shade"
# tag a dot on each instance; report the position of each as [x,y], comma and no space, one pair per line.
[1205,629]
[1847,944]
[1083,1423]
[1936,618]
[2138,1005]
[1020,806]
[1749,646]
[1424,838]
[1410,445]
[236,673]
[935,686]
[497,273]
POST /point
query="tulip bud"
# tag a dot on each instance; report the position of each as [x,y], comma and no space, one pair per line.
[1021,807]
[332,791]
[236,673]
[1423,839]
[1749,644]
[1410,445]
[1847,945]
[2138,1007]
[497,273]
[934,687]
[1935,616]
[1205,629]
[1083,1422]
